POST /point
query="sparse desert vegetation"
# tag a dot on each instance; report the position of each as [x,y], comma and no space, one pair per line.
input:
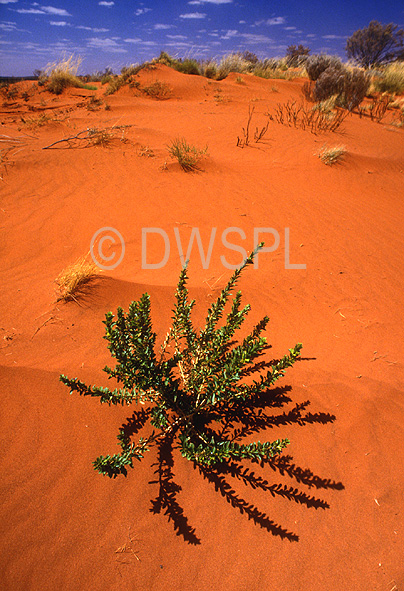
[79,169]
[332,155]
[75,278]
[188,156]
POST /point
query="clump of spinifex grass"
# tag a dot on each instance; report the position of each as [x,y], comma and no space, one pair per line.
[332,155]
[188,156]
[391,78]
[72,280]
[63,73]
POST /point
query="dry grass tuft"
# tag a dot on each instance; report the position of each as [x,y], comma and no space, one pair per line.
[188,156]
[391,79]
[332,155]
[158,90]
[41,120]
[145,151]
[63,74]
[72,280]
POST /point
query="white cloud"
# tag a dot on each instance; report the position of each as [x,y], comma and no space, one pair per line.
[107,4]
[29,11]
[44,10]
[59,23]
[8,26]
[193,15]
[251,38]
[8,1]
[93,29]
[137,40]
[176,37]
[161,27]
[277,20]
[290,28]
[229,34]
[105,44]
[140,11]
[333,37]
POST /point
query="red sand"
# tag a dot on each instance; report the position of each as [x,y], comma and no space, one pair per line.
[333,518]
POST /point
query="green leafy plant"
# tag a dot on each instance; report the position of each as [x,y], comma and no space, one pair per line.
[188,156]
[194,382]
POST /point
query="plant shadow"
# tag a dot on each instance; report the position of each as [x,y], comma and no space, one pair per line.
[241,422]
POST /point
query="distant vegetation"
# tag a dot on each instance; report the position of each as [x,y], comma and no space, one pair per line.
[376,45]
[377,50]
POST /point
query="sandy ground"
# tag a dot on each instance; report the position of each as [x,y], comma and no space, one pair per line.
[328,514]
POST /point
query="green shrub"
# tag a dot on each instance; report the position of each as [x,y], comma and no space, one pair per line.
[188,66]
[194,382]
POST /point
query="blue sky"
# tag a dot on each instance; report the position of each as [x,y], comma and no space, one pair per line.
[116,33]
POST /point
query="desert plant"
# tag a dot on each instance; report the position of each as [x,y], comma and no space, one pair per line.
[208,69]
[349,86]
[195,381]
[72,280]
[233,62]
[306,118]
[158,90]
[62,74]
[332,155]
[188,66]
[391,79]
[296,56]
[317,64]
[376,44]
[94,104]
[326,106]
[356,86]
[188,156]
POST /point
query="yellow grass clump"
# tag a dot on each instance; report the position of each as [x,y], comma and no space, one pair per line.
[332,155]
[72,280]
[63,73]
[391,79]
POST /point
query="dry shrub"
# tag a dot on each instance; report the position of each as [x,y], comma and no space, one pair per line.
[94,104]
[41,120]
[356,86]
[72,280]
[158,90]
[106,136]
[332,155]
[315,65]
[350,86]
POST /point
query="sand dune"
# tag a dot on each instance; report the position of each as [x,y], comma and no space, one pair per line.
[326,515]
